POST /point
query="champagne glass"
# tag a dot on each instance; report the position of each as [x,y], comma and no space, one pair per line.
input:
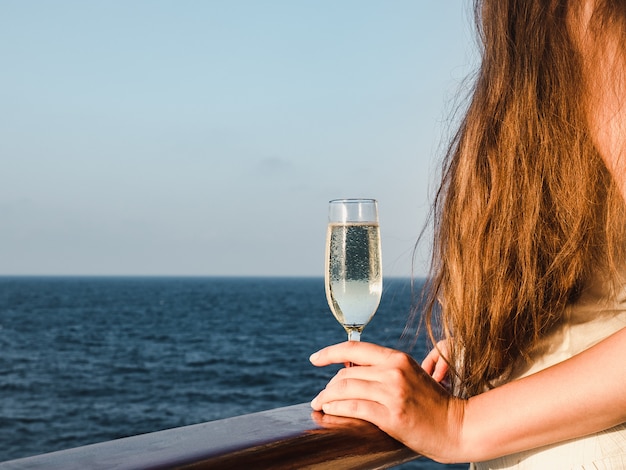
[353,274]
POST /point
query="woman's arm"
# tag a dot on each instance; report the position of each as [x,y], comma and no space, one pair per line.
[580,396]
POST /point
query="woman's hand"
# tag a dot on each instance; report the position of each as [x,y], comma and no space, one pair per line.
[436,363]
[389,389]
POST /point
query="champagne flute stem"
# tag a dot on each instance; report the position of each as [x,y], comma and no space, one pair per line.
[354,335]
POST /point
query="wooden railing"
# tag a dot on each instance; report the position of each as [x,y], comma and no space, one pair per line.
[284,438]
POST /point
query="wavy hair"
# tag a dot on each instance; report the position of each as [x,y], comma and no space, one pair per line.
[526,211]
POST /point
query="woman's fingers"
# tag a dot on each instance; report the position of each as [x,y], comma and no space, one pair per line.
[435,364]
[349,388]
[381,376]
[355,352]
[355,394]
[430,361]
[441,370]
[362,409]
[387,385]
[388,389]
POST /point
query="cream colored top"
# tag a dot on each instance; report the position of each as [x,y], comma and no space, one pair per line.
[598,314]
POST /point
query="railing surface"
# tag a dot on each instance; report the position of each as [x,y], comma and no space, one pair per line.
[284,438]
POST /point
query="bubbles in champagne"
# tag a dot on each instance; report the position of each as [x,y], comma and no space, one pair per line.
[353,272]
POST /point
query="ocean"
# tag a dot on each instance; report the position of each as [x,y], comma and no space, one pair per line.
[91,359]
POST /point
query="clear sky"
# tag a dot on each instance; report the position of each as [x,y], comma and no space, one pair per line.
[205,137]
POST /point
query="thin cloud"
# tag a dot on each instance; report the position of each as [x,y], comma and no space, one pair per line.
[274,166]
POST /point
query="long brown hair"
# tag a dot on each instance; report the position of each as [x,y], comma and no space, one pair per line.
[526,210]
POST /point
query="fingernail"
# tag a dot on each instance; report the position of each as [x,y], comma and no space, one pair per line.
[314,356]
[315,404]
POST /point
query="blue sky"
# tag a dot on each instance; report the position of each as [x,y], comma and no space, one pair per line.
[151,137]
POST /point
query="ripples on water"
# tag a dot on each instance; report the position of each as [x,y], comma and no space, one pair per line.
[86,360]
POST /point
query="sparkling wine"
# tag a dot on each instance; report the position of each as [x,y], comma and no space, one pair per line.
[353,273]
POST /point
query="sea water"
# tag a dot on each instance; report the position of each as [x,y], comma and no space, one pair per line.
[86,360]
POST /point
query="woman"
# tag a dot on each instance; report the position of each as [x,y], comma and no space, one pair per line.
[529,266]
